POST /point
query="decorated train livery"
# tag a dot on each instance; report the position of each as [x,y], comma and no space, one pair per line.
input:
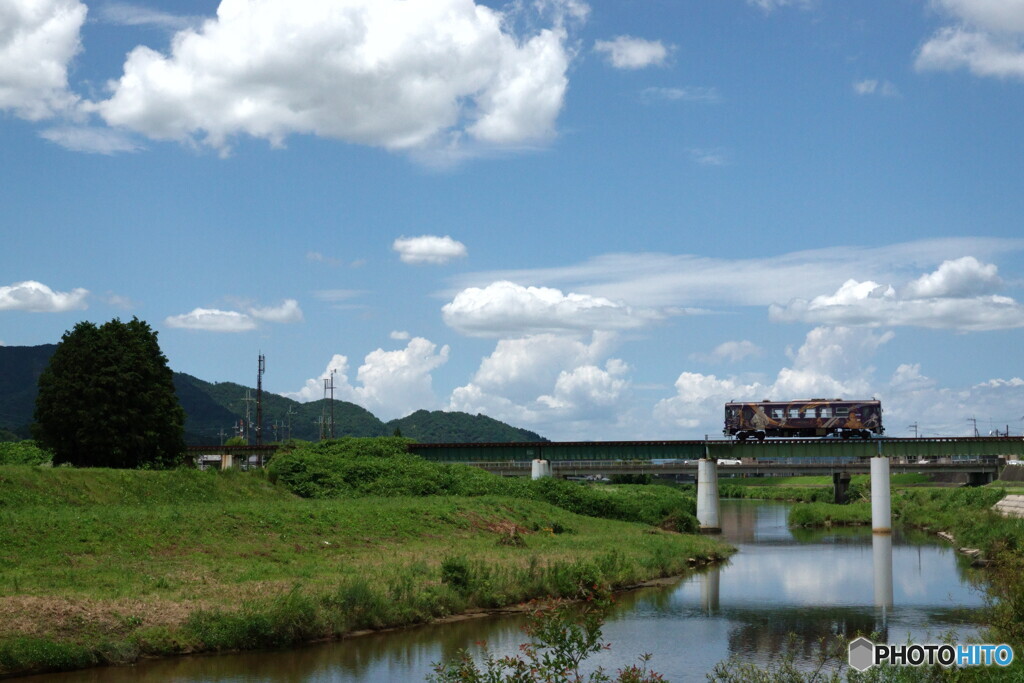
[808,417]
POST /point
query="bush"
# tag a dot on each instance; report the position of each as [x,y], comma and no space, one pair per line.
[383,467]
[23,453]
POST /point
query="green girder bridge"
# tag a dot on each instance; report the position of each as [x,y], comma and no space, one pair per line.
[948,450]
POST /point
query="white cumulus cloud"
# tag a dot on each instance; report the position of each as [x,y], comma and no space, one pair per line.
[390,384]
[627,52]
[962,277]
[578,391]
[991,15]
[429,249]
[287,312]
[550,382]
[506,309]
[38,39]
[38,298]
[399,74]
[987,39]
[955,296]
[832,362]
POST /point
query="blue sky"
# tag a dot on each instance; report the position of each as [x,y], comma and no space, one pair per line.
[595,220]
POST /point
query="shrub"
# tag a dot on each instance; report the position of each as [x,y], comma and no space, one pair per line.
[23,453]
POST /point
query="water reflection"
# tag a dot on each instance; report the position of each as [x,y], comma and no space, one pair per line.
[781,582]
[881,555]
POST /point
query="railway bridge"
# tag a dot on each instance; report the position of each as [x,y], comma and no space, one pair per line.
[980,457]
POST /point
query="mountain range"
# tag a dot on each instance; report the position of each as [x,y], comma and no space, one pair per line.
[215,410]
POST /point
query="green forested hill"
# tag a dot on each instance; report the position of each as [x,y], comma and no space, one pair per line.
[20,367]
[442,427]
[213,409]
[282,417]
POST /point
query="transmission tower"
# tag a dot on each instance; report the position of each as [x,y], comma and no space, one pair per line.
[248,400]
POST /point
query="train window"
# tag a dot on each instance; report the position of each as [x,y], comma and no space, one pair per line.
[811,412]
[777,413]
[826,411]
[794,412]
[842,411]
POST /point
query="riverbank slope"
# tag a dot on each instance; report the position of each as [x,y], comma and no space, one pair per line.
[101,566]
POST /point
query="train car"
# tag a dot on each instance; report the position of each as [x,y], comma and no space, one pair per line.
[804,418]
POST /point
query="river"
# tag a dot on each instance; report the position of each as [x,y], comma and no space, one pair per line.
[781,582]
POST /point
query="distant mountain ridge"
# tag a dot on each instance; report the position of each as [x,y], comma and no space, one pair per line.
[212,410]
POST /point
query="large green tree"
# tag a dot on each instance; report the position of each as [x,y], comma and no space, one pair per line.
[107,399]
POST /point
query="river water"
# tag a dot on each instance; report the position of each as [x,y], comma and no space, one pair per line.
[781,582]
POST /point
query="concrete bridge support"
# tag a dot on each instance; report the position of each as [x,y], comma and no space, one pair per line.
[840,486]
[708,508]
[881,497]
[541,469]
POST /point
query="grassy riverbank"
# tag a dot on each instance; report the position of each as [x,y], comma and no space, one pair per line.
[809,489]
[100,566]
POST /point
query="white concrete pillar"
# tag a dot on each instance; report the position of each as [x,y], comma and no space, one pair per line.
[881,555]
[541,469]
[881,510]
[226,461]
[708,508]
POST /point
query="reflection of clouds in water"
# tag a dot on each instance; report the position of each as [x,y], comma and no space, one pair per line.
[807,576]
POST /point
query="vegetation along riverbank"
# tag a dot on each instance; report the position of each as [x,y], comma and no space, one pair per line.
[105,566]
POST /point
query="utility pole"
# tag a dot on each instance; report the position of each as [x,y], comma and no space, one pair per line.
[288,429]
[332,404]
[259,400]
[323,414]
[221,436]
[974,421]
[914,427]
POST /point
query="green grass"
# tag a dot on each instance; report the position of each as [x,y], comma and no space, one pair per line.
[22,487]
[830,514]
[101,566]
[909,479]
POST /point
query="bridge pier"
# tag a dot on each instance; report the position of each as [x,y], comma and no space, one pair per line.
[540,469]
[881,497]
[708,506]
[840,485]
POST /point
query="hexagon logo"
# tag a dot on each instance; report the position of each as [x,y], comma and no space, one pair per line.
[862,654]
